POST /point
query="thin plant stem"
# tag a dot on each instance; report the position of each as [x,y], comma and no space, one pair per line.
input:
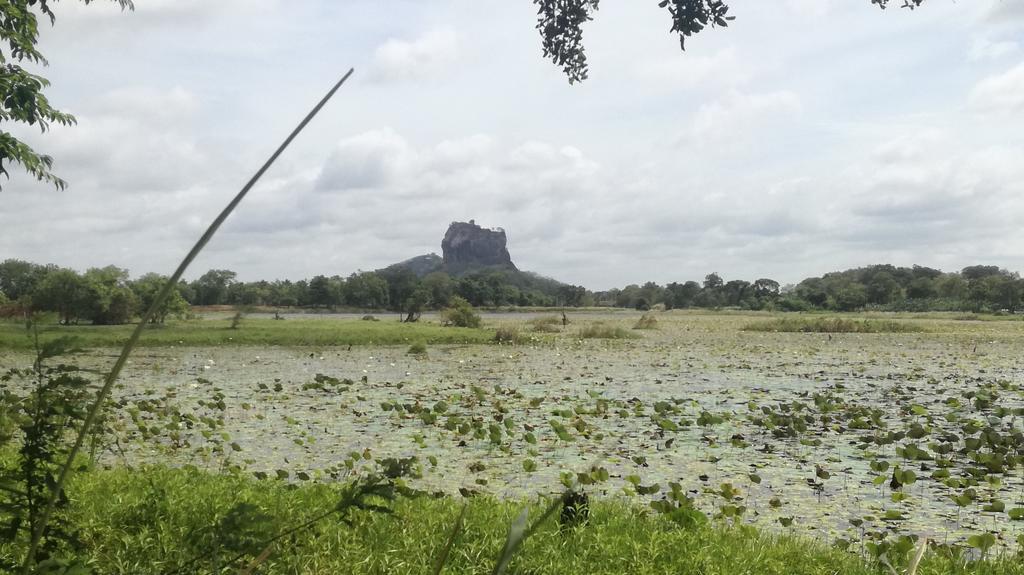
[39,529]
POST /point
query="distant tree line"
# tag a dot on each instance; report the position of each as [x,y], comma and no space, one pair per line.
[109,296]
[883,287]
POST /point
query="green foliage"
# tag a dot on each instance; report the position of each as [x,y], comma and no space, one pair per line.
[461,314]
[21,92]
[146,289]
[38,408]
[141,537]
[560,23]
[418,348]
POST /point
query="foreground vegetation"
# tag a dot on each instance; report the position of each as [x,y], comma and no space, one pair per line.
[160,520]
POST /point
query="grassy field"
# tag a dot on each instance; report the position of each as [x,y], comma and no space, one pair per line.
[252,332]
[163,519]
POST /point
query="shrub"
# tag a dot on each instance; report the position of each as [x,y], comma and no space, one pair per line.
[506,334]
[600,330]
[546,324]
[418,348]
[460,314]
[646,321]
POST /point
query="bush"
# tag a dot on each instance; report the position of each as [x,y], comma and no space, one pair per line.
[546,324]
[460,314]
[600,330]
[506,334]
[418,348]
[646,321]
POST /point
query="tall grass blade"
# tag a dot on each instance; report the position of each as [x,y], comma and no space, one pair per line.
[443,559]
[518,533]
[912,568]
[129,345]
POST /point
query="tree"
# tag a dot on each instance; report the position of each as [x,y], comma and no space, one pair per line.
[21,92]
[560,23]
[113,302]
[883,288]
[735,291]
[766,288]
[813,291]
[19,278]
[678,296]
[366,290]
[713,281]
[921,288]
[146,289]
[212,287]
[65,292]
[320,292]
[440,287]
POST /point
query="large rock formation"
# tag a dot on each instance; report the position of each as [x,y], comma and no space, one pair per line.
[467,246]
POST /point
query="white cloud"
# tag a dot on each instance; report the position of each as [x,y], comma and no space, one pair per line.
[1001,93]
[739,117]
[369,160]
[985,49]
[680,70]
[1002,11]
[813,8]
[425,57]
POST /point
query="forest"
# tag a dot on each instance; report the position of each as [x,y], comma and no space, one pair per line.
[109,295]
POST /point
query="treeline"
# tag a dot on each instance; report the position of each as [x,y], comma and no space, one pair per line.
[884,287]
[109,296]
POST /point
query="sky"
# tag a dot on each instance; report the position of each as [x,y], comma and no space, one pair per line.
[809,136]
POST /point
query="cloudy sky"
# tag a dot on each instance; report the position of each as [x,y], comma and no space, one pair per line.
[809,136]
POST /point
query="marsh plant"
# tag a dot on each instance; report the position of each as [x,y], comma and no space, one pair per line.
[601,330]
[506,335]
[39,407]
[646,321]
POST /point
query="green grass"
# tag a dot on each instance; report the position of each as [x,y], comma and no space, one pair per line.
[155,520]
[217,332]
[833,325]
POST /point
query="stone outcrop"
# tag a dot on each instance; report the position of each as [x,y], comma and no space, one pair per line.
[467,246]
